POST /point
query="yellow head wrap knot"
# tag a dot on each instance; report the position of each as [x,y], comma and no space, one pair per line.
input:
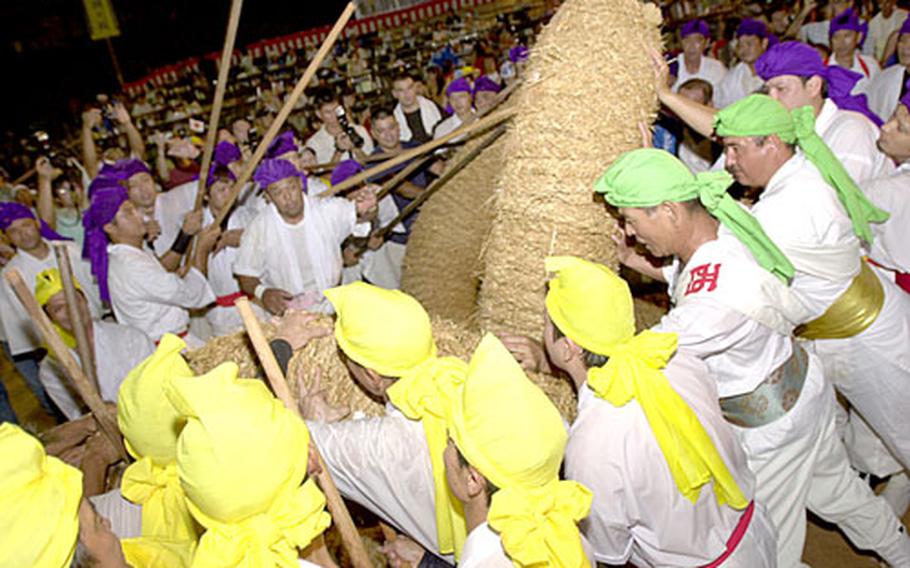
[242,461]
[39,503]
[585,301]
[508,429]
[390,332]
[154,552]
[47,285]
[150,425]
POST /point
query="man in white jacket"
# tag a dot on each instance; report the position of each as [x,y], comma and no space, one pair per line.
[416,115]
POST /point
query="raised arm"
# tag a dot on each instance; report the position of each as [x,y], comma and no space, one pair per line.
[699,117]
[90,119]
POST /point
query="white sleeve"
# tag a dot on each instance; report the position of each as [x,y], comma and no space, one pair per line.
[192,291]
[705,327]
[342,214]
[251,260]
[20,333]
[367,140]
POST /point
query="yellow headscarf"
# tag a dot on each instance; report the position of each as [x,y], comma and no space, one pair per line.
[39,503]
[592,306]
[47,285]
[242,459]
[150,425]
[390,332]
[508,429]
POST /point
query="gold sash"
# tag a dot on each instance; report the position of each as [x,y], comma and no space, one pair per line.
[851,313]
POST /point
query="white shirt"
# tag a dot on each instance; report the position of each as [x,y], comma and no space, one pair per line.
[483,549]
[300,258]
[865,65]
[852,138]
[118,348]
[738,324]
[692,159]
[815,33]
[638,514]
[737,84]
[323,144]
[383,464]
[170,209]
[146,296]
[429,116]
[884,91]
[801,213]
[450,124]
[891,247]
[710,70]
[21,333]
[880,29]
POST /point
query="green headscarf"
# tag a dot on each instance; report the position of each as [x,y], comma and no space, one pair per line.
[760,115]
[649,177]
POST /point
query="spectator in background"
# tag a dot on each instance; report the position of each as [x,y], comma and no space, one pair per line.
[890,85]
[485,91]
[184,154]
[889,19]
[846,33]
[697,152]
[331,143]
[459,98]
[416,115]
[693,63]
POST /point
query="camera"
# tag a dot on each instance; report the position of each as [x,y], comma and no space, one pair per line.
[356,139]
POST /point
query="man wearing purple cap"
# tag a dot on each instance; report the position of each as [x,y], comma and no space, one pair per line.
[416,115]
[890,85]
[141,291]
[693,63]
[223,316]
[458,95]
[330,142]
[291,251]
[742,80]
[33,255]
[485,92]
[847,33]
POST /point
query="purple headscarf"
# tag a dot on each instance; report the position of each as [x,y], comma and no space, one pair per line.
[695,27]
[750,26]
[796,58]
[848,20]
[274,170]
[226,153]
[460,85]
[105,204]
[281,145]
[905,29]
[12,211]
[129,167]
[905,100]
[518,53]
[102,182]
[344,170]
[484,83]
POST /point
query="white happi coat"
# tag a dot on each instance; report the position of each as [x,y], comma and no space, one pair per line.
[803,216]
[880,29]
[638,514]
[891,247]
[146,296]
[323,144]
[865,65]
[118,348]
[737,84]
[738,318]
[170,209]
[429,116]
[483,549]
[710,70]
[884,92]
[447,125]
[384,464]
[226,319]
[21,333]
[382,267]
[269,245]
[852,138]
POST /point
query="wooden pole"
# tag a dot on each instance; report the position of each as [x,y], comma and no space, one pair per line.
[464,130]
[390,185]
[223,69]
[83,346]
[453,169]
[107,421]
[286,110]
[24,177]
[349,535]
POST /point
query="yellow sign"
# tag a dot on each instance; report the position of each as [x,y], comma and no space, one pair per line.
[102,22]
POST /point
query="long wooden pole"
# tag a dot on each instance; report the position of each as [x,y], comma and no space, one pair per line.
[453,169]
[225,67]
[83,347]
[349,535]
[286,110]
[107,422]
[464,130]
[396,180]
